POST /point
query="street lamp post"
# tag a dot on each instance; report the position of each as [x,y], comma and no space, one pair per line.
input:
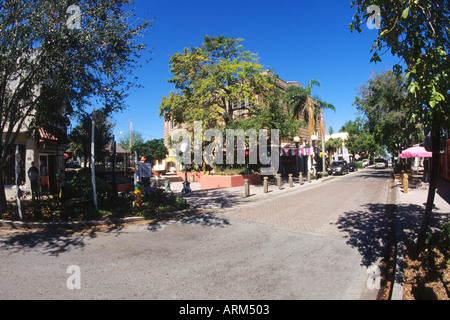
[297,141]
[186,184]
[314,139]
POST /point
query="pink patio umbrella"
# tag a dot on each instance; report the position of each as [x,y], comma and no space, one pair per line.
[416,152]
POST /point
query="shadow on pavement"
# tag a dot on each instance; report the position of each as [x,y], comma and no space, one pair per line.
[57,241]
[214,198]
[202,219]
[51,242]
[367,229]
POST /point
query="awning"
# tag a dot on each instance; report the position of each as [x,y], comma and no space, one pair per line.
[46,136]
[170,160]
[293,152]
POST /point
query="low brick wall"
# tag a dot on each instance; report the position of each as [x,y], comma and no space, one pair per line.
[191,175]
[208,182]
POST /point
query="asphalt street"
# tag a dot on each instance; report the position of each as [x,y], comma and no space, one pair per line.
[314,243]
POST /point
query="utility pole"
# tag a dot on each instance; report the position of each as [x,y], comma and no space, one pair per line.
[131,132]
[94,187]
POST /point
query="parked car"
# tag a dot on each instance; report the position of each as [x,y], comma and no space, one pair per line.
[352,167]
[339,167]
[380,163]
[365,162]
[72,164]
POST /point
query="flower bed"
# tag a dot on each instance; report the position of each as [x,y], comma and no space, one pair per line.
[209,182]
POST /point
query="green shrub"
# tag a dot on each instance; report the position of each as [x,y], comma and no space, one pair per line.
[81,187]
[160,202]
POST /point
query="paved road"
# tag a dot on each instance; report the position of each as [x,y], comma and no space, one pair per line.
[316,243]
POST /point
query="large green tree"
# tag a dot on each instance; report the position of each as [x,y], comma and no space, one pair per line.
[296,98]
[271,112]
[418,33]
[359,140]
[151,150]
[384,102]
[211,81]
[51,67]
[130,144]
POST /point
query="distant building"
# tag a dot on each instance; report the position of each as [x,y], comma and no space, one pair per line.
[342,153]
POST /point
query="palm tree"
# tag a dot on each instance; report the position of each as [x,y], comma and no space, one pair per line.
[332,146]
[296,98]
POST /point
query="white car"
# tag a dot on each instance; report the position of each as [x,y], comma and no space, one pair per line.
[380,164]
[365,162]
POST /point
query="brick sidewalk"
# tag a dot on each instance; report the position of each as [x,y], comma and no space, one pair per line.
[412,205]
[410,210]
[228,197]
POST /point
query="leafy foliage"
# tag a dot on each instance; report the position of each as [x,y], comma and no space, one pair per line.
[80,136]
[418,32]
[49,71]
[384,102]
[209,79]
[151,150]
[359,141]
[136,139]
[160,202]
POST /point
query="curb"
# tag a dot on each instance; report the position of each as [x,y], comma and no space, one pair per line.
[111,222]
[91,223]
[397,289]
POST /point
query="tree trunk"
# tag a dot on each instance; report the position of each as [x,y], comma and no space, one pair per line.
[431,191]
[3,201]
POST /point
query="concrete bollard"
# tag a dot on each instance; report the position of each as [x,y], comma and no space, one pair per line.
[309,177]
[405,182]
[247,188]
[266,184]
[279,181]
[291,181]
[300,178]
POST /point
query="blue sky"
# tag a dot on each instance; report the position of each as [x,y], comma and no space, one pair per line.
[300,40]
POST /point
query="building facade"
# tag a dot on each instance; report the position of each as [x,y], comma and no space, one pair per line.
[46,151]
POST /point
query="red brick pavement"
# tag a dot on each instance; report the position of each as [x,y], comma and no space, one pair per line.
[317,209]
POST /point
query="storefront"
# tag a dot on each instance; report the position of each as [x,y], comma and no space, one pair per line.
[47,152]
[294,161]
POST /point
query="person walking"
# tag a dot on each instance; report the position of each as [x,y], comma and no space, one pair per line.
[33,175]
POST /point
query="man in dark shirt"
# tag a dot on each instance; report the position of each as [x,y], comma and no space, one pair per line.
[33,175]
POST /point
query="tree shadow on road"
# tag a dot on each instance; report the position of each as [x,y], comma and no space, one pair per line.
[200,219]
[218,198]
[52,241]
[368,229]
